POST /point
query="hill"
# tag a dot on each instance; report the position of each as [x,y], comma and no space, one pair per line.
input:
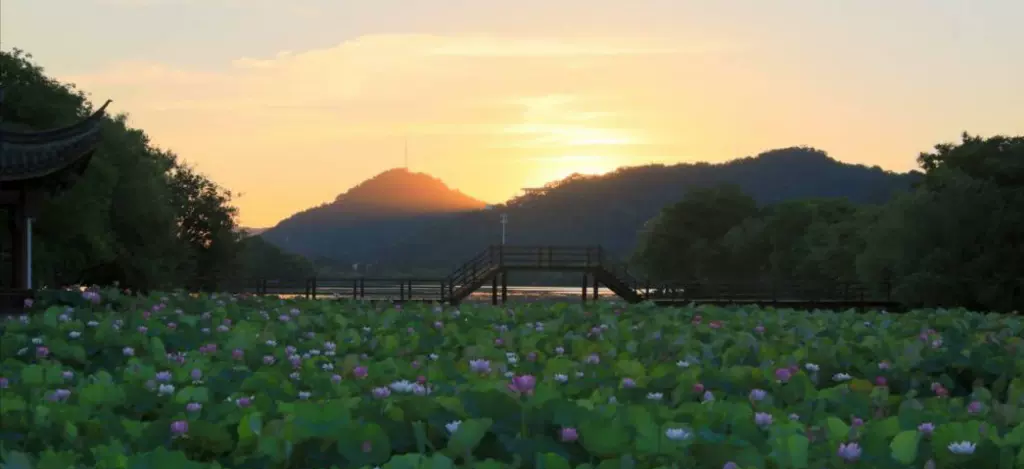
[607,210]
[611,209]
[370,218]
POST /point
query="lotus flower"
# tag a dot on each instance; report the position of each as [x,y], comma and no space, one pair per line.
[569,434]
[523,384]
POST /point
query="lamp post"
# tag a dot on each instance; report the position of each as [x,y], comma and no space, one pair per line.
[504,221]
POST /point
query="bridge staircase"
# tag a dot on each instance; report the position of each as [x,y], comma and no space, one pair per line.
[495,261]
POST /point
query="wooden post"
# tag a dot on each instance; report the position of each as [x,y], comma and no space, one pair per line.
[305,290]
[440,297]
[583,296]
[362,288]
[504,286]
[494,290]
[401,289]
[313,280]
[595,286]
[16,225]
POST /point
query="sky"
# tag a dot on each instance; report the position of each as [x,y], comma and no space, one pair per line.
[289,103]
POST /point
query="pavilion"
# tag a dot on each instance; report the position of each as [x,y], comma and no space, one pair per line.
[34,164]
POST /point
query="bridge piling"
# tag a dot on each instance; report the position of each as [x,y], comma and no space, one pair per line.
[504,286]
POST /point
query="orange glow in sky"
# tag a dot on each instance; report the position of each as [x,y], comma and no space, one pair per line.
[291,103]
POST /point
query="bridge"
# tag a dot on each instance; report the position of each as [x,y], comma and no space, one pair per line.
[597,268]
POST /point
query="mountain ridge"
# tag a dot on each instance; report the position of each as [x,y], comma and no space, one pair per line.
[609,209]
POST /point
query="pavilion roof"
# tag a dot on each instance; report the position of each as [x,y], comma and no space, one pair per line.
[29,155]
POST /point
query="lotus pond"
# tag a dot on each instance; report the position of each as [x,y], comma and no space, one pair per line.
[103,380]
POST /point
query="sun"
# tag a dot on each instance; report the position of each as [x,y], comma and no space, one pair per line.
[559,167]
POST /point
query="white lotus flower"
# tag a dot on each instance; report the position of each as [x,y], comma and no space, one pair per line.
[677,434]
[962,447]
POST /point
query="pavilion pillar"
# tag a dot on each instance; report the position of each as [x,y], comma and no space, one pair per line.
[20,232]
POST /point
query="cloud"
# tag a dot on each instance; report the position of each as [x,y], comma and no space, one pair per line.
[534,86]
[466,103]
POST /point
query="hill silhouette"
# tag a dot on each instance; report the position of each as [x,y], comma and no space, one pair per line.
[607,210]
[370,217]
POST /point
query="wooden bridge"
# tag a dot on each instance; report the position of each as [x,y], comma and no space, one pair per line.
[493,265]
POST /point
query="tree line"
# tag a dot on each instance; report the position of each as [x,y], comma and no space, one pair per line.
[955,239]
[139,216]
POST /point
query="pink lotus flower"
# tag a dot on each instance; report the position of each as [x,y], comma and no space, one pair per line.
[759,329]
[238,354]
[628,383]
[849,452]
[244,402]
[336,379]
[172,325]
[179,428]
[783,374]
[42,352]
[716,324]
[381,392]
[974,407]
[881,381]
[498,342]
[60,395]
[569,434]
[360,372]
[523,384]
[698,388]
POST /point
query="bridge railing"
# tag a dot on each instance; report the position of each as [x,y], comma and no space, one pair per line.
[547,256]
[402,289]
[779,291]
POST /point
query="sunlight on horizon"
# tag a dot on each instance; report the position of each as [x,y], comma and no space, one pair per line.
[292,105]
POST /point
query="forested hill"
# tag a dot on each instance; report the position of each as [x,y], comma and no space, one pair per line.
[610,209]
[371,217]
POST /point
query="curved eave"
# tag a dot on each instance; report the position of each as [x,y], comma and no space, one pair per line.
[33,155]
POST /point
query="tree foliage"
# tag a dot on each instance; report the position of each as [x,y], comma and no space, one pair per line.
[957,239]
[138,216]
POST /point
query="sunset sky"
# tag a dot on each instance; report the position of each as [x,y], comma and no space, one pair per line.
[290,102]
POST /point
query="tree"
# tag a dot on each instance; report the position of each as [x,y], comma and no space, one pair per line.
[958,239]
[137,216]
[683,243]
